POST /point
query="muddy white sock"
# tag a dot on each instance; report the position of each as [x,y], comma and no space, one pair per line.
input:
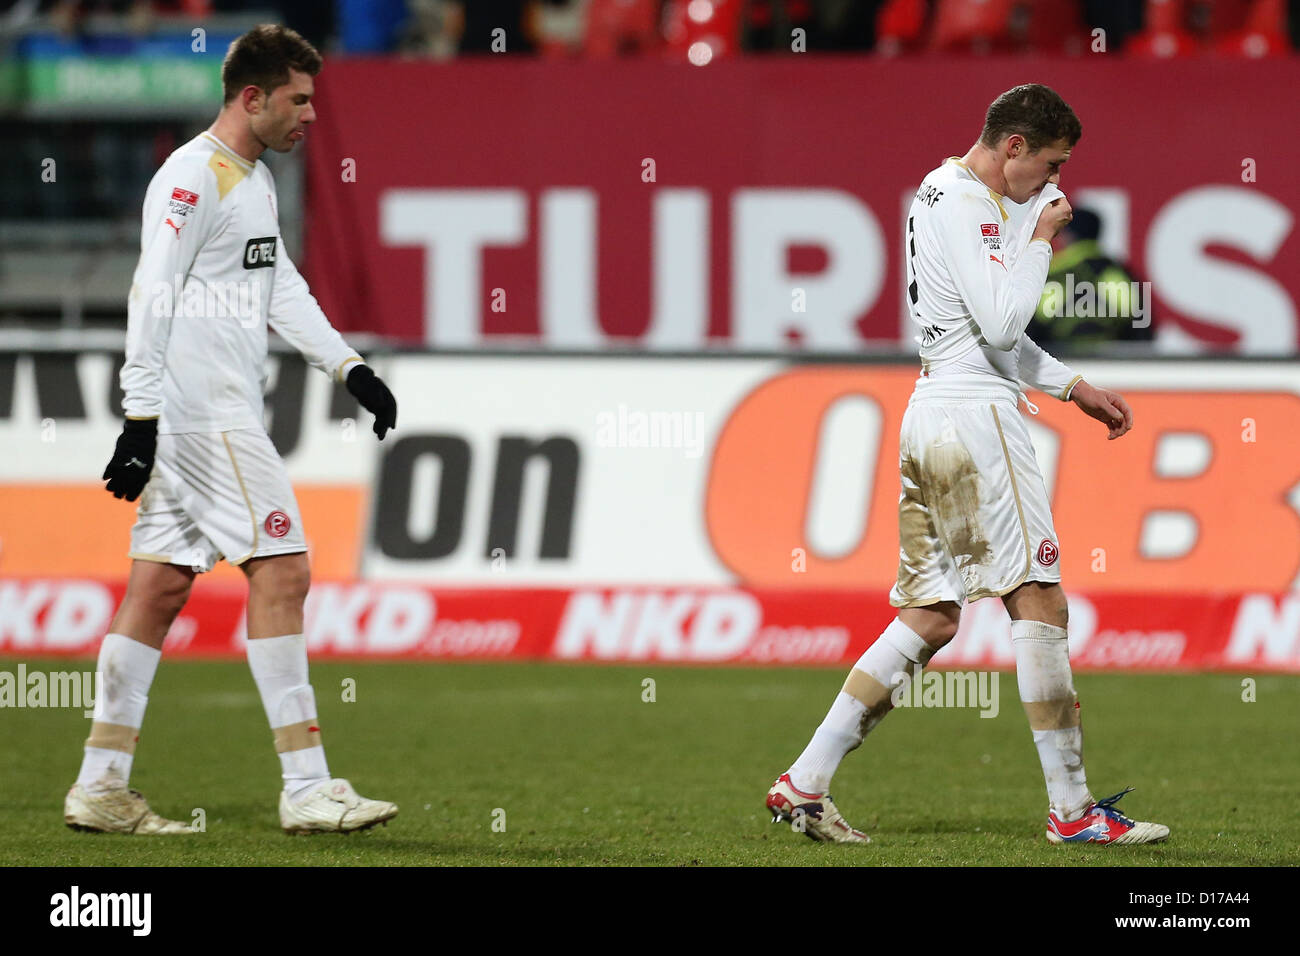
[860,705]
[1047,692]
[279,666]
[127,669]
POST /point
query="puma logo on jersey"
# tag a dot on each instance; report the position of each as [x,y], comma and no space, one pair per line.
[998,261]
[260,253]
[176,227]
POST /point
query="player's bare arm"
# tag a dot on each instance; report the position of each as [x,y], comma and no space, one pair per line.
[1106,406]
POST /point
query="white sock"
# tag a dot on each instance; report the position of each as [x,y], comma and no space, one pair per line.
[127,668]
[1047,691]
[279,666]
[898,650]
[838,734]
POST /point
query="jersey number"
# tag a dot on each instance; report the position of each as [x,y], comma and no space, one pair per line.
[911,261]
[928,332]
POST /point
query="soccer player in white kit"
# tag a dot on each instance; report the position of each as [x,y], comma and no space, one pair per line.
[974,519]
[212,276]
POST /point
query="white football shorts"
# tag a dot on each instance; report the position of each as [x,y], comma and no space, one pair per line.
[213,495]
[973,516]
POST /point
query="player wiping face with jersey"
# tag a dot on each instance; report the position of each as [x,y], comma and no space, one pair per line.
[971,286]
[974,516]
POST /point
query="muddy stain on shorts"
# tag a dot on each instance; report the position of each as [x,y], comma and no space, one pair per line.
[915,532]
[952,487]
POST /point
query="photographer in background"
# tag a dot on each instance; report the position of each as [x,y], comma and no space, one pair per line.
[1081,279]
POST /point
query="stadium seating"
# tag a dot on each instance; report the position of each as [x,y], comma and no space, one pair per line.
[974,26]
[1055,27]
[1165,35]
[700,30]
[1222,17]
[1263,34]
[616,27]
[900,27]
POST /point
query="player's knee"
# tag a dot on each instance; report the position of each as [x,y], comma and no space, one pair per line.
[292,580]
[936,625]
[281,579]
[1039,601]
[166,598]
[943,631]
[1055,609]
[302,577]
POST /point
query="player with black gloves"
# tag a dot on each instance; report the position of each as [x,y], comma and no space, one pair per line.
[194,448]
[128,471]
[369,389]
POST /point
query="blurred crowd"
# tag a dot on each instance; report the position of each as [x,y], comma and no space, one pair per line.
[445,28]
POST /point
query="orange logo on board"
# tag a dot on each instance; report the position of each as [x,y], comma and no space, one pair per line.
[762,487]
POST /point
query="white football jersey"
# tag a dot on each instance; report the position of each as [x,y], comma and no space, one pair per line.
[968,292]
[213,277]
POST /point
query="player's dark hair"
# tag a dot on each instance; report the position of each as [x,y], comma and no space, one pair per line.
[1035,112]
[263,57]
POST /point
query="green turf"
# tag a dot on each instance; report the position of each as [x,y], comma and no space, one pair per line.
[588,773]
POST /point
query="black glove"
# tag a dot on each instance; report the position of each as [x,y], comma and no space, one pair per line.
[369,389]
[128,472]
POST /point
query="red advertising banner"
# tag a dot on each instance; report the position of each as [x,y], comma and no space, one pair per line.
[1252,633]
[664,206]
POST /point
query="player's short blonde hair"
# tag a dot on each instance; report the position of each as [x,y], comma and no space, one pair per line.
[1034,111]
[263,57]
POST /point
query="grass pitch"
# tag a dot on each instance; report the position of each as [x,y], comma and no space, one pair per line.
[581,770]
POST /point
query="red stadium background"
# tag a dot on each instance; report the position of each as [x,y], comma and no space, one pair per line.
[526,183]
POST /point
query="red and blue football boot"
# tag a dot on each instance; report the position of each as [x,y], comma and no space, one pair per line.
[1104,824]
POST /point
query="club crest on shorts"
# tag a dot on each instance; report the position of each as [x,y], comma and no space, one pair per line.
[1047,553]
[277,524]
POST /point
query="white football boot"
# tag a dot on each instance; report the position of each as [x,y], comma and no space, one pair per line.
[333,807]
[814,814]
[116,811]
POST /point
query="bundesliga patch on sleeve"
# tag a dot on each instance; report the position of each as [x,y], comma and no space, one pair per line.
[182,202]
[990,234]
